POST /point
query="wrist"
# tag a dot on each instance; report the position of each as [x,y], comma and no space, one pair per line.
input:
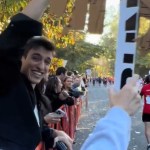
[120,109]
[55,133]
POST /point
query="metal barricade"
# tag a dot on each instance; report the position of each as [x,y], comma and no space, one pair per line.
[69,123]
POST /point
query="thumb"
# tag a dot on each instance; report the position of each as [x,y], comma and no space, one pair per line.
[111,94]
[132,80]
[55,141]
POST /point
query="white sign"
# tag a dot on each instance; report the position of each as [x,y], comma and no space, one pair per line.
[126,45]
[88,72]
[65,63]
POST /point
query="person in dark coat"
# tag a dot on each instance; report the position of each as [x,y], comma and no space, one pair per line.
[56,95]
[67,86]
[21,126]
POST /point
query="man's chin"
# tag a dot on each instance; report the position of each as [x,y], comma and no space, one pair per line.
[35,81]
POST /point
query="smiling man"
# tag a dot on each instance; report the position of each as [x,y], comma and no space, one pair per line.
[36,59]
[25,57]
[20,123]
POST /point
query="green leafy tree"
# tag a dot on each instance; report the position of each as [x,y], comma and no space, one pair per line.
[108,43]
[78,54]
[142,55]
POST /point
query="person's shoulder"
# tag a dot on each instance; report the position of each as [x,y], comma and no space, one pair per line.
[146,86]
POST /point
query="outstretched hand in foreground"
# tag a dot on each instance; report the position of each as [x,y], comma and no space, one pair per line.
[128,97]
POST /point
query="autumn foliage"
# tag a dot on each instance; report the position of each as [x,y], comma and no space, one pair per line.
[53,25]
[55,64]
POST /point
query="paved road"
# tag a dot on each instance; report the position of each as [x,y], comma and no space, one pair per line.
[98,106]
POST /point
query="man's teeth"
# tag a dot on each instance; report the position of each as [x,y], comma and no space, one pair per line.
[37,73]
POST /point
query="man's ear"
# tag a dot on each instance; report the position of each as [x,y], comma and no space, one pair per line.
[22,59]
[22,63]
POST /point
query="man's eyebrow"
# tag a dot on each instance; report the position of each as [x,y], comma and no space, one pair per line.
[35,54]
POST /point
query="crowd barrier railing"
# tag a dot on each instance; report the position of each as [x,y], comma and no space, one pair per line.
[69,123]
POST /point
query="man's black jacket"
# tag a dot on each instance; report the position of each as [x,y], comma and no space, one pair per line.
[18,126]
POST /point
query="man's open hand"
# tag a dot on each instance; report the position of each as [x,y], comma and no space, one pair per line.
[128,97]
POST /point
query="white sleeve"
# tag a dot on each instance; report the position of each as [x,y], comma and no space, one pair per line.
[82,83]
[111,132]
